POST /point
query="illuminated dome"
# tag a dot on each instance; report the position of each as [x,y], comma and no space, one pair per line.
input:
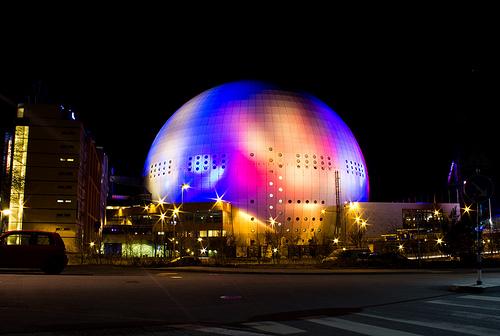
[271,153]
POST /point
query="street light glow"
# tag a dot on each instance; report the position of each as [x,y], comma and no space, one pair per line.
[467,208]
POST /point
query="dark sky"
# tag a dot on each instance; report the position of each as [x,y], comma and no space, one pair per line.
[405,99]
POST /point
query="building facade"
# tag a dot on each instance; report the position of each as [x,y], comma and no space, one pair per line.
[57,176]
[278,158]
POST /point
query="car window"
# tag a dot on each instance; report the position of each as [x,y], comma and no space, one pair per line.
[18,239]
[42,239]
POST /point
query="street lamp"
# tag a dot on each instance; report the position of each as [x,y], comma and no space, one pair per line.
[162,219]
[184,186]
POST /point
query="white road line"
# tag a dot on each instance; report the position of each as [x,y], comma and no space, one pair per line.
[473,315]
[360,328]
[443,302]
[231,332]
[481,297]
[461,328]
[175,277]
[166,274]
[274,327]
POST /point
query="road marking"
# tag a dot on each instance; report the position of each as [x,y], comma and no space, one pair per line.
[166,274]
[481,297]
[231,297]
[476,316]
[232,332]
[274,327]
[360,328]
[460,328]
[442,302]
[175,277]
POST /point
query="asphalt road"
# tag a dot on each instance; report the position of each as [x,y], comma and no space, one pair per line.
[117,301]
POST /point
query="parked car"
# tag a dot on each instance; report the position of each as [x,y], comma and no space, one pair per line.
[33,249]
[184,261]
[350,255]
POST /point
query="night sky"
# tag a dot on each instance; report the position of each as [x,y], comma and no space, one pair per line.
[407,104]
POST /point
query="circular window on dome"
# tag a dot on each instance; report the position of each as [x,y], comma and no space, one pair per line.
[289,219]
[280,154]
[252,154]
[297,155]
[270,149]
[298,201]
[297,219]
[252,219]
[223,167]
[289,201]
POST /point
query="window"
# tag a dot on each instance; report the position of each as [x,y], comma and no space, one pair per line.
[203,233]
[43,240]
[19,239]
[213,233]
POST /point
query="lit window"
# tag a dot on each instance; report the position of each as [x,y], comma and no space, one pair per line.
[271,195]
[60,201]
[271,207]
[271,183]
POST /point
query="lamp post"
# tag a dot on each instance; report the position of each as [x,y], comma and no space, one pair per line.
[162,233]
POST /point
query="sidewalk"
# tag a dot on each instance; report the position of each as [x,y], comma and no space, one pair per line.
[276,269]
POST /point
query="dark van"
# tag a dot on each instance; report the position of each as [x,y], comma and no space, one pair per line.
[33,249]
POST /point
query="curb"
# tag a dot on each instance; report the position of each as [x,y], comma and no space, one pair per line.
[474,288]
[285,271]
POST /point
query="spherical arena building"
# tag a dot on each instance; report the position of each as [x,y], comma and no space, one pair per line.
[278,165]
